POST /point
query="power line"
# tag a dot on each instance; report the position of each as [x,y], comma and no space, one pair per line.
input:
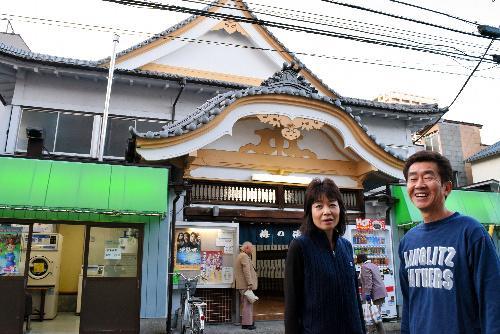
[300,19]
[100,28]
[433,11]
[400,17]
[470,76]
[460,91]
[328,19]
[289,27]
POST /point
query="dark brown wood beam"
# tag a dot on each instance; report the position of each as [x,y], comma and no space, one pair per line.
[242,215]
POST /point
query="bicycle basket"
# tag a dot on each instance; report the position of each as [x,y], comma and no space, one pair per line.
[192,287]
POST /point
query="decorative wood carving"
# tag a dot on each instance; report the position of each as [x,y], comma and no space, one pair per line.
[230,26]
[290,127]
[272,143]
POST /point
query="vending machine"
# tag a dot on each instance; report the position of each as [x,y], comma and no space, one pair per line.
[371,237]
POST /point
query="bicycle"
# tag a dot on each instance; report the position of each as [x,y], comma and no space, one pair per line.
[192,316]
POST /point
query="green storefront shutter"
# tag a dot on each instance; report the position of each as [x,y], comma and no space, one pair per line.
[75,191]
[483,206]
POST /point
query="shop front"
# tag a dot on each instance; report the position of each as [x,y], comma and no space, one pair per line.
[72,239]
[267,215]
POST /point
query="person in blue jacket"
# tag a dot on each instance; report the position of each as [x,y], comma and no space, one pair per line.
[449,269]
[321,288]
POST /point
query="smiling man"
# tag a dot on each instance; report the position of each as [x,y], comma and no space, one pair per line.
[450,271]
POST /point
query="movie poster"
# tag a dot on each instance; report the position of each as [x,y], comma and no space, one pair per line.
[188,248]
[10,249]
[211,265]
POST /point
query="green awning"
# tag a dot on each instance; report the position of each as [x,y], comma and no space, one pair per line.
[77,191]
[483,206]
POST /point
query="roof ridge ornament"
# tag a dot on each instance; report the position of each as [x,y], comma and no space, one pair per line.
[289,76]
[230,26]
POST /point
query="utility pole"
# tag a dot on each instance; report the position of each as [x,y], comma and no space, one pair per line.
[104,122]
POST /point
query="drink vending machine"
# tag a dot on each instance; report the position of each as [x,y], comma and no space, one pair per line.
[371,237]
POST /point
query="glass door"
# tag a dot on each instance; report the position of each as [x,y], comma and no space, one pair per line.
[111,280]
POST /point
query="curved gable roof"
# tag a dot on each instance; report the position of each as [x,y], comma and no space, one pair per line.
[286,82]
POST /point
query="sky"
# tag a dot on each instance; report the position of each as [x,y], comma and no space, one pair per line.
[41,24]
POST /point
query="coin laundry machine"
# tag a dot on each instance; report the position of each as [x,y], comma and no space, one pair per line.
[44,268]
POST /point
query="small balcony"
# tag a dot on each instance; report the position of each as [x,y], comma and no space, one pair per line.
[259,195]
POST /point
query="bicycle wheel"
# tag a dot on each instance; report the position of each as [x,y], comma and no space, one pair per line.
[195,320]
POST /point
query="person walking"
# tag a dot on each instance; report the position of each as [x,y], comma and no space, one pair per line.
[246,279]
[372,288]
[321,288]
[449,270]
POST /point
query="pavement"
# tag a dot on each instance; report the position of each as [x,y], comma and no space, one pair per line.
[157,326]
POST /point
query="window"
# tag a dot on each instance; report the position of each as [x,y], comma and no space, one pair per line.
[74,133]
[118,132]
[68,132]
[455,182]
[45,121]
[432,142]
[63,131]
[116,136]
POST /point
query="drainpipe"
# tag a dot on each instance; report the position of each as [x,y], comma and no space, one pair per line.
[104,123]
[178,191]
[182,84]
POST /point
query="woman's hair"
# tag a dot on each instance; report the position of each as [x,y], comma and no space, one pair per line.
[316,191]
[179,236]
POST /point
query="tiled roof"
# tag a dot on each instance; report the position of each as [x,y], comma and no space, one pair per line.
[287,81]
[420,109]
[160,35]
[485,153]
[44,58]
[94,66]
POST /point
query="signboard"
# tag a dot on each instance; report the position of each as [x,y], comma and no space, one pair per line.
[370,224]
[114,253]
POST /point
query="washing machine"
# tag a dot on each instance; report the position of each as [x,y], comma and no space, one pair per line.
[44,270]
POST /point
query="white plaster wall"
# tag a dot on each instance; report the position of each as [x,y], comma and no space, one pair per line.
[190,100]
[68,93]
[240,174]
[199,31]
[389,131]
[244,133]
[224,59]
[486,170]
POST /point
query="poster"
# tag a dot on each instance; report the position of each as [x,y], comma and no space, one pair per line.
[227,275]
[211,265]
[188,248]
[10,249]
[228,249]
[114,253]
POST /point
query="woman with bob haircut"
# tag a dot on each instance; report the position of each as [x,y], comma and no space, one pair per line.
[321,288]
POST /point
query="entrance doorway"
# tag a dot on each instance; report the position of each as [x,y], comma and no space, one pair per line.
[271,246]
[111,280]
